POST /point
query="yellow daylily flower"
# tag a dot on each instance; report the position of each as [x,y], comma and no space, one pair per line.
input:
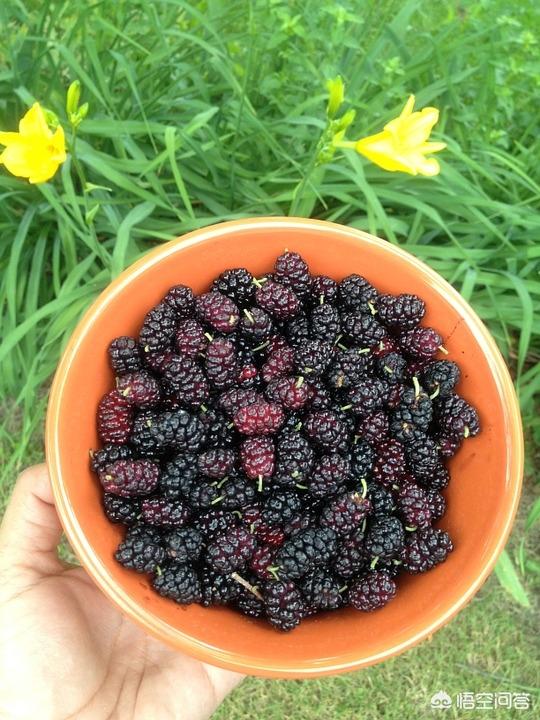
[35,152]
[403,144]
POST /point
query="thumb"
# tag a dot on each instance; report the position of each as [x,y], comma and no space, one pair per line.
[30,531]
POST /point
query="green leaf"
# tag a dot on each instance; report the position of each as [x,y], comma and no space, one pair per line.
[509,579]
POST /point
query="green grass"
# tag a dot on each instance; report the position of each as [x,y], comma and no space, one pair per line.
[207,111]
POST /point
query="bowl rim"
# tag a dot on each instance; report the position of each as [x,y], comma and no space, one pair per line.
[183,641]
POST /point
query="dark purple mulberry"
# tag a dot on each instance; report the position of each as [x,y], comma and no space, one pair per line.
[362,329]
[186,380]
[99,459]
[306,550]
[277,299]
[237,284]
[292,393]
[372,591]
[231,551]
[420,342]
[355,292]
[139,389]
[326,429]
[400,312]
[141,550]
[218,311]
[114,418]
[385,538]
[130,477]
[221,363]
[259,418]
[125,356]
[456,417]
[165,512]
[330,475]
[190,338]
[178,582]
[425,549]
[345,512]
[158,328]
[284,605]
[180,299]
[126,510]
[258,457]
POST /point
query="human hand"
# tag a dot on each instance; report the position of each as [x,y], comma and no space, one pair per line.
[65,651]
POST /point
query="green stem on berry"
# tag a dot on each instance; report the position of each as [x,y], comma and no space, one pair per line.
[417,387]
[273,570]
[298,426]
[221,482]
[249,316]
[237,512]
[204,408]
[364,487]
[300,487]
[260,483]
[466,432]
[374,562]
[159,571]
[342,588]
[372,308]
[341,346]
[443,349]
[299,381]
[208,336]
[232,319]
[321,299]
[410,528]
[252,588]
[261,347]
[217,500]
[363,351]
[388,370]
[435,394]
[345,407]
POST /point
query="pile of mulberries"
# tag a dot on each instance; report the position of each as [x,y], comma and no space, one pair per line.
[278,444]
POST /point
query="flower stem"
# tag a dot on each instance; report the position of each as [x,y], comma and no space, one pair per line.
[82,179]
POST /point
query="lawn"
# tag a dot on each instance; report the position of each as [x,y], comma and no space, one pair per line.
[207,111]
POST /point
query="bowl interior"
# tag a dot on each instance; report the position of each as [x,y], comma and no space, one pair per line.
[485,473]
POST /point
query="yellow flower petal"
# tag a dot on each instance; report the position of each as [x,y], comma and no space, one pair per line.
[403,144]
[8,137]
[35,152]
[33,124]
[407,110]
[427,166]
[28,160]
[58,145]
[381,151]
[431,147]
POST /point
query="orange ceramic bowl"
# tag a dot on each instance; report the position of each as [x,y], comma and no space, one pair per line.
[482,497]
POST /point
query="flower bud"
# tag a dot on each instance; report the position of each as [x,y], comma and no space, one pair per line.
[73,97]
[336,90]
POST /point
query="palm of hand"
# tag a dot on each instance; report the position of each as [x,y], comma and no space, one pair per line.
[67,652]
